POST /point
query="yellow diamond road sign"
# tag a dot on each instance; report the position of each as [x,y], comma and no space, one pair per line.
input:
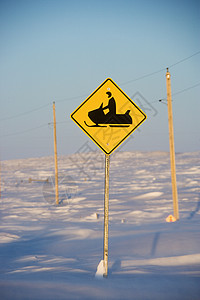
[108,116]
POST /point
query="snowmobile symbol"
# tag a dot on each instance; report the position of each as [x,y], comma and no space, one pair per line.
[98,116]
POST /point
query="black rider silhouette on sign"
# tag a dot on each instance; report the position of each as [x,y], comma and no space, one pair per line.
[98,116]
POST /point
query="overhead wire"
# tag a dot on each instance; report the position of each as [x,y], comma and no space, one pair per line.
[160,70]
[123,83]
[72,98]
[25,113]
[39,108]
[25,131]
[184,59]
[179,92]
[142,77]
[186,89]
[62,122]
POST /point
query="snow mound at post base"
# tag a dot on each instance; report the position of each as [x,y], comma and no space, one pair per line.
[100,270]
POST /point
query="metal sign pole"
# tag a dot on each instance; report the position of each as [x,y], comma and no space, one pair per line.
[172,149]
[106,214]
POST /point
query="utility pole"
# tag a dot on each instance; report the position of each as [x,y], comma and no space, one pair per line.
[0,178]
[55,155]
[171,144]
[106,214]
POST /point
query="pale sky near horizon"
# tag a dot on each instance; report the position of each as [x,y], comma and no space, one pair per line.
[63,50]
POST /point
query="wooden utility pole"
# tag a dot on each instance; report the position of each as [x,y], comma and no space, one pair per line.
[55,155]
[171,144]
[0,179]
[106,214]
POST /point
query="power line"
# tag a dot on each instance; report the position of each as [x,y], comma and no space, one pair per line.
[64,122]
[184,59]
[24,131]
[39,108]
[158,71]
[179,92]
[31,129]
[186,89]
[25,113]
[144,76]
[71,98]
[124,83]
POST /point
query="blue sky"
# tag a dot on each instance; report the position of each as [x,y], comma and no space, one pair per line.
[63,50]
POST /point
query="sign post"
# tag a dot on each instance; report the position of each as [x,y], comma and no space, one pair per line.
[108,116]
[106,214]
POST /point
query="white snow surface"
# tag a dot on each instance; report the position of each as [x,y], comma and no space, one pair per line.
[52,252]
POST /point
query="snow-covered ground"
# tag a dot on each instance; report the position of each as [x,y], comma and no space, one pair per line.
[52,252]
